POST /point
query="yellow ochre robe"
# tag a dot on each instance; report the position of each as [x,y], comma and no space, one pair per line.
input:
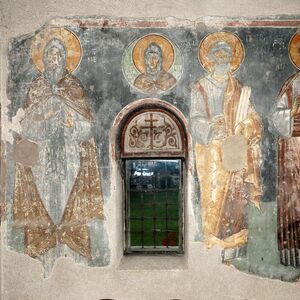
[224,193]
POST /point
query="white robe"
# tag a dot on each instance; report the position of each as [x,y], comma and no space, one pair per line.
[281,116]
[201,125]
[59,157]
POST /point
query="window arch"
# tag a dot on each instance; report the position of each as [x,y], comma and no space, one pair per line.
[153,132]
[153,150]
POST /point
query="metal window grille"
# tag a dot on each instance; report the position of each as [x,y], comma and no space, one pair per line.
[154,206]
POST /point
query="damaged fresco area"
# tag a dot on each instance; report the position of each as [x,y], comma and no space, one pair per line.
[224,123]
[237,84]
[57,194]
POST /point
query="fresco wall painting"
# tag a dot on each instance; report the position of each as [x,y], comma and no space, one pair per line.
[60,161]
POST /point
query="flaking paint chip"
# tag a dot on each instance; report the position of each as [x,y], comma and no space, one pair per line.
[234,151]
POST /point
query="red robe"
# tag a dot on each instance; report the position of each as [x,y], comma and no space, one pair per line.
[288,196]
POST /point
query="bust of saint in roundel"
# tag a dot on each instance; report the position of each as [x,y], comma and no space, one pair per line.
[152,64]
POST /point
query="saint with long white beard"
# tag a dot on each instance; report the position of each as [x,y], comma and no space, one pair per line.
[223,122]
[57,196]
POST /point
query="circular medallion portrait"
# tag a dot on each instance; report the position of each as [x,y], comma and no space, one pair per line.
[152,64]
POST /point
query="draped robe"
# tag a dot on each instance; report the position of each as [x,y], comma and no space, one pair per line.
[288,195]
[163,82]
[57,197]
[224,194]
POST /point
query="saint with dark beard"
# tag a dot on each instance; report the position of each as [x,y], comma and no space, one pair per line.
[155,78]
[58,194]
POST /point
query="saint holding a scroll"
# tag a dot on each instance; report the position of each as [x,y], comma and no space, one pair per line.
[227,133]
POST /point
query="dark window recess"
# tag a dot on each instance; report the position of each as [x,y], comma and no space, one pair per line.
[154,212]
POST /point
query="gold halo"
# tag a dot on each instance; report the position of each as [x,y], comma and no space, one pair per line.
[138,51]
[294,50]
[67,37]
[236,45]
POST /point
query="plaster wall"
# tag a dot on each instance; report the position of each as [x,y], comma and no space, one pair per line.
[197,275]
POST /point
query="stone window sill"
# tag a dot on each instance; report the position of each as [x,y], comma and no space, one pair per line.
[153,262]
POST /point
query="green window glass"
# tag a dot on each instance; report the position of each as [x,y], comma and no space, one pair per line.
[153,205]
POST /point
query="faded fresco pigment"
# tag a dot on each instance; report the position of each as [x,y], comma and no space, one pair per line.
[221,113]
[236,84]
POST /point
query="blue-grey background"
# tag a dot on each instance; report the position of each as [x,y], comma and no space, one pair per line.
[266,66]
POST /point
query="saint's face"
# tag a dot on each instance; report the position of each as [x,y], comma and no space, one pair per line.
[53,58]
[153,61]
[222,57]
[222,62]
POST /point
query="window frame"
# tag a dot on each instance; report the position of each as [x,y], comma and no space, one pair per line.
[176,154]
[149,250]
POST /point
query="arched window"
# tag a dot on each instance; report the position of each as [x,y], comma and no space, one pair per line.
[153,150]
